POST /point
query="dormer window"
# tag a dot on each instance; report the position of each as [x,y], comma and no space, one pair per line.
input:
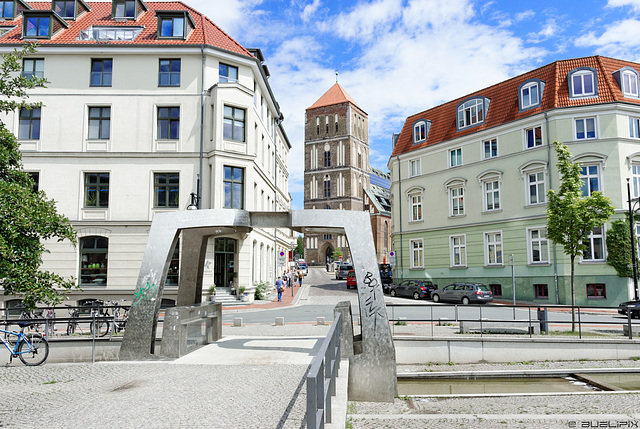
[7,9]
[530,94]
[65,8]
[41,24]
[472,112]
[124,9]
[583,82]
[38,26]
[421,131]
[174,25]
[627,79]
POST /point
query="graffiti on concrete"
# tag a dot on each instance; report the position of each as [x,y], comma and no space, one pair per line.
[143,293]
[373,305]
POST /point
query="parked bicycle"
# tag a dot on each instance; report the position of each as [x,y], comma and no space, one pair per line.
[30,325]
[72,323]
[120,315]
[32,348]
[99,326]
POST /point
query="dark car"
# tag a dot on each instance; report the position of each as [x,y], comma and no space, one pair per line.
[386,273]
[351,280]
[343,270]
[632,307]
[416,289]
[464,293]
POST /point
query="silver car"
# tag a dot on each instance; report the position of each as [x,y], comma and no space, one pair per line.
[343,270]
[464,293]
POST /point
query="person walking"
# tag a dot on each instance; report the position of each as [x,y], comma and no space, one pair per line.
[280,287]
[300,276]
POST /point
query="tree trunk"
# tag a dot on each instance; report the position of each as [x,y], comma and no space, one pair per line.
[573,296]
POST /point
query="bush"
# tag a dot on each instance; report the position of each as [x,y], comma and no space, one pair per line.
[261,290]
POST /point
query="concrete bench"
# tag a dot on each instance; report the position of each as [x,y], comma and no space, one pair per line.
[505,327]
[189,327]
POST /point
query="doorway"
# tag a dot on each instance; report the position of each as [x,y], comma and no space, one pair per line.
[224,261]
[329,254]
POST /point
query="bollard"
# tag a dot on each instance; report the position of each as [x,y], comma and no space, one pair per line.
[279,321]
[237,322]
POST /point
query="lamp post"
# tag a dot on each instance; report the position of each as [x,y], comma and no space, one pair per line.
[634,259]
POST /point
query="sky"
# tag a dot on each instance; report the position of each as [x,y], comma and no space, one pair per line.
[400,57]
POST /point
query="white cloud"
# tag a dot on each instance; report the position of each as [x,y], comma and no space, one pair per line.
[549,30]
[635,4]
[620,39]
[527,14]
[365,19]
[310,9]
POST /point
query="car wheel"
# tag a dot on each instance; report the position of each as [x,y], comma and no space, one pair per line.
[465,300]
[392,293]
[416,295]
[436,298]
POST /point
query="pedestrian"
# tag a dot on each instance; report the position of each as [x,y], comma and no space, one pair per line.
[290,279]
[300,276]
[285,278]
[280,288]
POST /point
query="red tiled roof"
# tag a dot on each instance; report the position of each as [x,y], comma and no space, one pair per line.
[504,105]
[335,95]
[206,32]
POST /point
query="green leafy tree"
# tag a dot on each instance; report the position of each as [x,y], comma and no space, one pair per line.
[619,247]
[572,216]
[27,217]
[299,250]
[337,254]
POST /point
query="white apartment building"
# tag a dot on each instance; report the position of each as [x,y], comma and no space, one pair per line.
[147,103]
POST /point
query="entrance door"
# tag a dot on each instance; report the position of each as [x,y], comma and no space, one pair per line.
[224,261]
[329,255]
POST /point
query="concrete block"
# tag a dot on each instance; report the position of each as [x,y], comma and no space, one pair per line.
[237,322]
[279,321]
[321,321]
[635,330]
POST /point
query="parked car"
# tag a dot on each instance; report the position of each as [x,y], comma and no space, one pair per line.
[416,289]
[351,280]
[302,265]
[386,274]
[343,270]
[464,293]
[633,307]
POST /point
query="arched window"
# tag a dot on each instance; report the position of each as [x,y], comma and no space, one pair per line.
[327,186]
[583,82]
[93,260]
[327,158]
[472,112]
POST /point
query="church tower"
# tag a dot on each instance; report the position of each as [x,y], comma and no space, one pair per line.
[336,169]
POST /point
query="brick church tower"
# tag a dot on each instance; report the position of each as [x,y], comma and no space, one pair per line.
[336,165]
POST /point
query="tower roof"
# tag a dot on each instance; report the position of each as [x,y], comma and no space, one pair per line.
[335,95]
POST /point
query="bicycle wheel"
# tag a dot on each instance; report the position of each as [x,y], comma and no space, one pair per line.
[71,328]
[99,328]
[33,349]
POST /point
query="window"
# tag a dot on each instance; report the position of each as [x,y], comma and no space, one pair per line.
[168,123]
[457,201]
[96,190]
[227,73]
[416,207]
[421,131]
[414,167]
[99,123]
[336,122]
[634,128]
[530,93]
[93,261]
[585,128]
[326,237]
[35,177]
[169,74]
[583,82]
[472,112]
[318,126]
[596,291]
[166,190]
[458,251]
[173,274]
[493,248]
[6,7]
[101,72]
[455,157]
[496,289]
[417,254]
[124,9]
[635,178]
[538,246]
[595,246]
[37,26]
[541,291]
[490,148]
[590,179]
[233,187]
[233,127]
[491,195]
[536,187]
[327,186]
[327,158]
[630,83]
[172,27]
[65,8]
[533,137]
[29,128]
[33,67]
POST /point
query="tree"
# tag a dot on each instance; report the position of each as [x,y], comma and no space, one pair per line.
[337,254]
[27,217]
[619,247]
[572,216]
[299,250]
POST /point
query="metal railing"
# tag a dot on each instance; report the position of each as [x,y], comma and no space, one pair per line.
[321,378]
[535,314]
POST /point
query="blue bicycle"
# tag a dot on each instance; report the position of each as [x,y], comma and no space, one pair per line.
[32,349]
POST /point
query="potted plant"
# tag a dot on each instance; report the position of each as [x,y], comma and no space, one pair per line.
[241,294]
[212,293]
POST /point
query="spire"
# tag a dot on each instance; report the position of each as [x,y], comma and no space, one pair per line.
[335,95]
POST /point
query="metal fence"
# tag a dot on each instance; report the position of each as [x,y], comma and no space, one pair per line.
[524,315]
[321,378]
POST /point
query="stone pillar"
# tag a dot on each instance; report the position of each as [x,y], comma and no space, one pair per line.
[346,339]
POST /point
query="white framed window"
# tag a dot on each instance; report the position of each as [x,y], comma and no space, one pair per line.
[490,148]
[417,253]
[533,137]
[629,83]
[538,245]
[595,251]
[493,248]
[634,128]
[416,207]
[536,189]
[458,250]
[419,132]
[456,196]
[583,82]
[414,167]
[590,176]
[635,179]
[455,157]
[472,112]
[585,128]
[529,95]
[491,194]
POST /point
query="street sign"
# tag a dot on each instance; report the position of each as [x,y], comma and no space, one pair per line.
[281,260]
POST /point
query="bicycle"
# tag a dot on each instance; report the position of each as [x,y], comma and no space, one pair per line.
[31,325]
[99,327]
[73,314]
[32,349]
[119,320]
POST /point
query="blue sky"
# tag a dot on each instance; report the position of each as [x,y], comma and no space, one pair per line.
[399,57]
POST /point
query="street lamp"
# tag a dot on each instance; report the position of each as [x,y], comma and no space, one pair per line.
[194,202]
[634,259]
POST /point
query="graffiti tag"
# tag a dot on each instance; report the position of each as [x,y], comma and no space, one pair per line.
[144,293]
[373,305]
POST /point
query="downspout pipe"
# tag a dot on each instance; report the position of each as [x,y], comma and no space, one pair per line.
[400,215]
[198,184]
[553,246]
